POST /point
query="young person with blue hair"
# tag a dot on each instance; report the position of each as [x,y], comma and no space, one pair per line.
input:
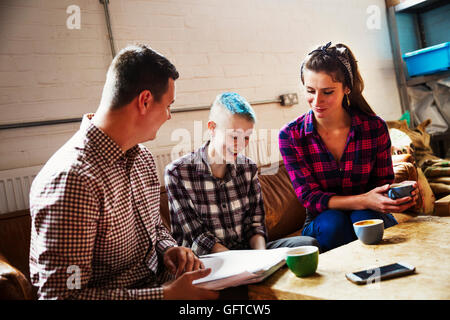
[214,194]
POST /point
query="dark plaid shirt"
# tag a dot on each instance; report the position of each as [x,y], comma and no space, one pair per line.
[316,176]
[95,209]
[205,210]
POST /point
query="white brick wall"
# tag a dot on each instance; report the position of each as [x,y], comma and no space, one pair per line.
[253,47]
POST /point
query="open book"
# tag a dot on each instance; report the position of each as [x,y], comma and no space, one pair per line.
[238,267]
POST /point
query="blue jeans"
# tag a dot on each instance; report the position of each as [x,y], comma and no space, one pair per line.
[292,242]
[334,228]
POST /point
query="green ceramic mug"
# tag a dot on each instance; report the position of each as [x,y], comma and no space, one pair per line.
[303,261]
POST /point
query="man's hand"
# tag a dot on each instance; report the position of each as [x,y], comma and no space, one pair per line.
[377,200]
[183,289]
[180,260]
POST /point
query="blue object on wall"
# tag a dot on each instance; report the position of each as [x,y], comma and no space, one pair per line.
[428,60]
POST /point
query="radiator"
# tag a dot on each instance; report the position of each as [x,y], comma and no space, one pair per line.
[15,184]
[15,187]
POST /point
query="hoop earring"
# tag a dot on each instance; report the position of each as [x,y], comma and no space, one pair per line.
[348,100]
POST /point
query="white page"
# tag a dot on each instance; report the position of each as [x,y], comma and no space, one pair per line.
[234,262]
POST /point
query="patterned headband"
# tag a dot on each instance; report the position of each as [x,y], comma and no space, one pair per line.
[343,60]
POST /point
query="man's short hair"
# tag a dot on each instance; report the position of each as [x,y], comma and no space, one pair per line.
[231,103]
[137,68]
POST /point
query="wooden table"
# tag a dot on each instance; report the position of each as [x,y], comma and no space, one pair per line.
[423,242]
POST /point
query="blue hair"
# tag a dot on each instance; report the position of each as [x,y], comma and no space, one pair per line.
[237,104]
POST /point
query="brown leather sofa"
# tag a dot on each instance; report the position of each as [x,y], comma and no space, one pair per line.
[284,217]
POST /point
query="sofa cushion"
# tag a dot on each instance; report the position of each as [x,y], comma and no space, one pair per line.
[15,229]
[13,284]
[164,208]
[284,213]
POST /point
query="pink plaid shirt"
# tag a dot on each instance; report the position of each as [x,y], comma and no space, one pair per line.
[316,176]
[96,228]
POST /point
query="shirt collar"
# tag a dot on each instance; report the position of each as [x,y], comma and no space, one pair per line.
[102,143]
[309,121]
[204,167]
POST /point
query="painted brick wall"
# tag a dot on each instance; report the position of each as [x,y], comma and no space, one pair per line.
[253,47]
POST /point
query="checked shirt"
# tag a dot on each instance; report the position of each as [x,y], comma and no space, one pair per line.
[205,210]
[316,176]
[96,228]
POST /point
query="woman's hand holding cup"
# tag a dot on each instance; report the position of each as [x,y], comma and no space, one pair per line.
[377,199]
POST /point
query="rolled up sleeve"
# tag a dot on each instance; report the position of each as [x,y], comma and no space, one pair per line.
[383,172]
[306,187]
[187,226]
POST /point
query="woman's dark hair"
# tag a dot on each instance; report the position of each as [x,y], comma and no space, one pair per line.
[137,68]
[332,60]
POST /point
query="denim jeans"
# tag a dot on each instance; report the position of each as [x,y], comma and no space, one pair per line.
[292,242]
[334,228]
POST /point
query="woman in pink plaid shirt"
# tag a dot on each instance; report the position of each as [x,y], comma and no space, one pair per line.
[338,154]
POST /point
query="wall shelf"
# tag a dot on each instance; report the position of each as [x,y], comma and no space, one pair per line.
[417,6]
[414,25]
[414,81]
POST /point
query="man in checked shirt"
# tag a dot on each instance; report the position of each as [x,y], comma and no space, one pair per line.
[96,229]
[215,198]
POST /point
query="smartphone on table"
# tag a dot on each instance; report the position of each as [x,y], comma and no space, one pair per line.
[377,274]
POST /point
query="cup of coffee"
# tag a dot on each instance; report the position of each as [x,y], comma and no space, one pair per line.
[303,261]
[401,190]
[369,231]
